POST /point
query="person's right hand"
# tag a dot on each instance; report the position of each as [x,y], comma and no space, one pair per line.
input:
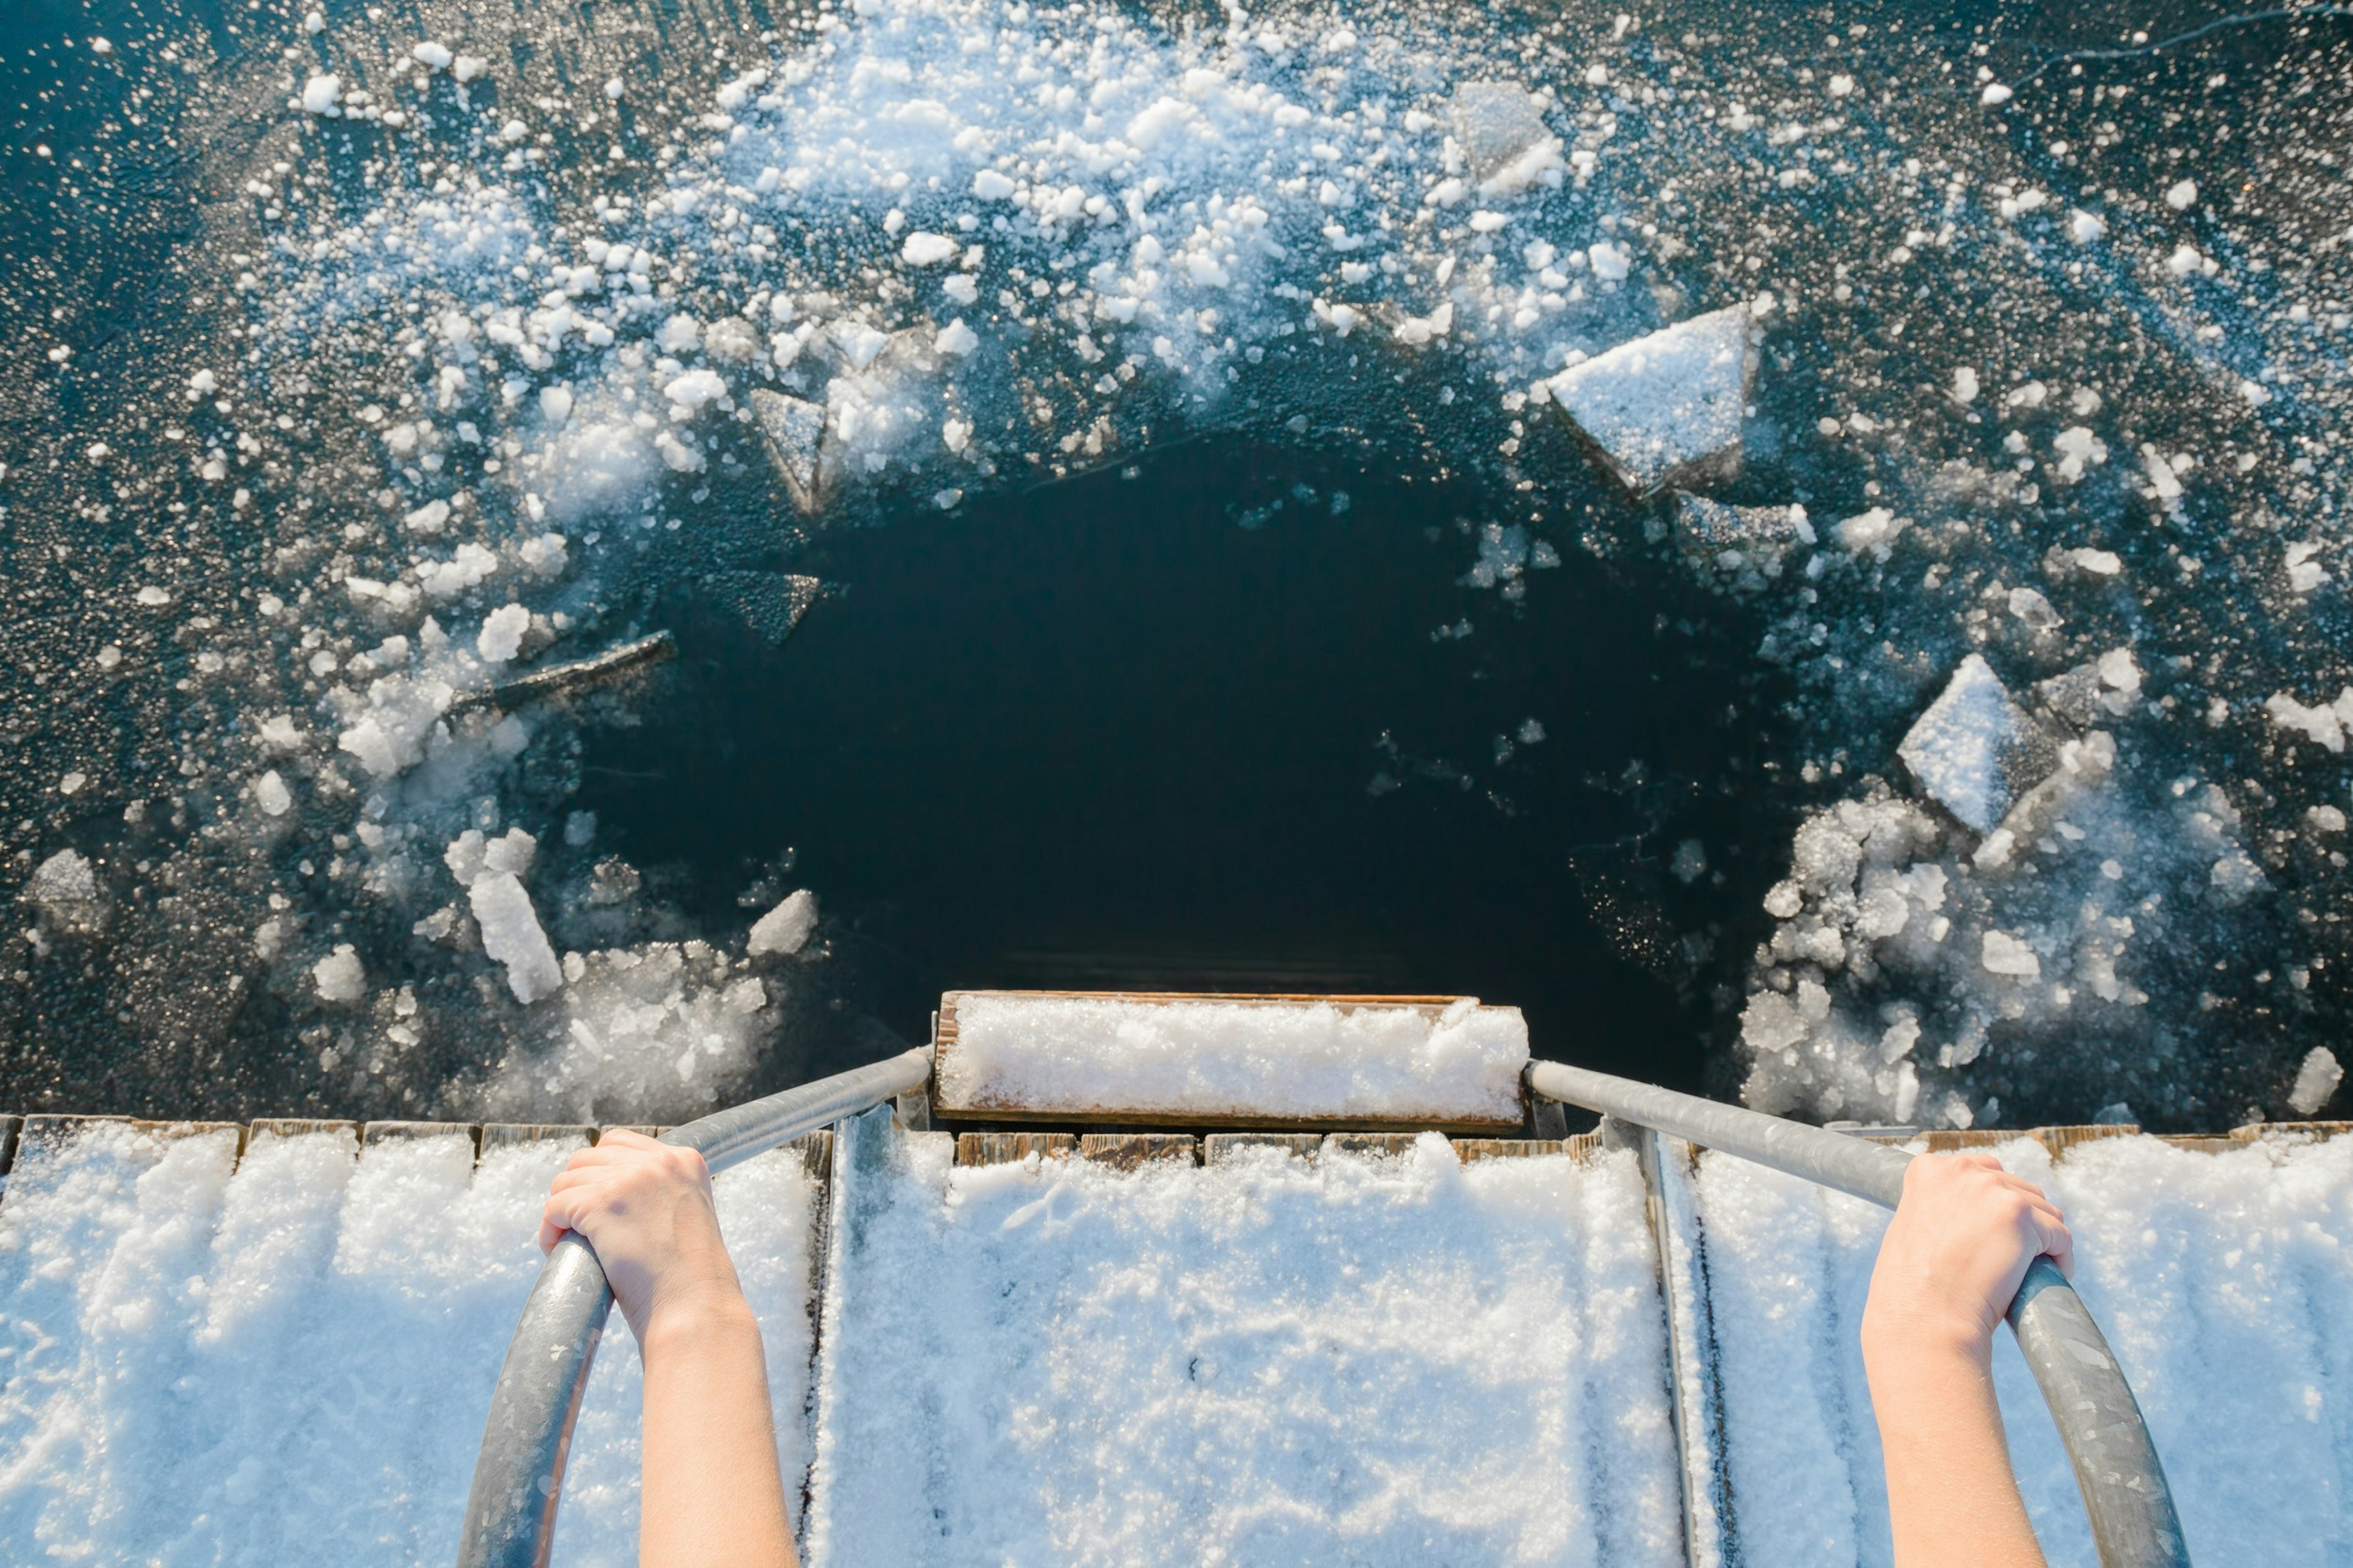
[1954,1255]
[646,1207]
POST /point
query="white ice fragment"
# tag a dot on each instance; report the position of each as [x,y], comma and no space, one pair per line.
[1610,262]
[2118,671]
[2182,195]
[2005,955]
[1965,384]
[1666,409]
[468,67]
[2324,725]
[339,977]
[429,519]
[2316,1081]
[991,186]
[922,249]
[433,56]
[2029,605]
[388,734]
[1975,751]
[500,638]
[695,388]
[2084,228]
[64,889]
[2184,260]
[271,794]
[1994,95]
[321,94]
[958,339]
[2303,572]
[1875,531]
[512,935]
[785,928]
[680,334]
[796,430]
[555,404]
[1501,129]
[2078,450]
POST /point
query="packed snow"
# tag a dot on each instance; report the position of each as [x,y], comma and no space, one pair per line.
[1355,1360]
[1224,1058]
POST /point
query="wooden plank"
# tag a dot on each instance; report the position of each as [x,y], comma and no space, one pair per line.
[2315,1131]
[2203,1143]
[2058,1139]
[946,1039]
[1008,1148]
[375,1132]
[816,1149]
[1584,1146]
[509,1134]
[1127,1151]
[1216,1147]
[1470,1148]
[648,1127]
[10,1126]
[1373,1145]
[298,1127]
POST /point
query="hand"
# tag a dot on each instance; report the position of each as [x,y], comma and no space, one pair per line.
[1954,1255]
[646,1208]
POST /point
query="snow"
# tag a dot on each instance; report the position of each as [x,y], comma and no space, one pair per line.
[786,927]
[1222,1058]
[1369,1361]
[1666,409]
[1976,752]
[294,1361]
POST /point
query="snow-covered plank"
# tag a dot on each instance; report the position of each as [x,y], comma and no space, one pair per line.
[1173,1061]
[1384,1359]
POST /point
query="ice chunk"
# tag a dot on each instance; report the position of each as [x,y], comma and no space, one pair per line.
[388,734]
[500,638]
[64,889]
[1217,1058]
[1666,409]
[2005,955]
[271,794]
[339,977]
[795,431]
[2325,725]
[1742,545]
[321,94]
[433,56]
[2316,1081]
[1975,751]
[1501,128]
[786,927]
[512,934]
[923,249]
[695,388]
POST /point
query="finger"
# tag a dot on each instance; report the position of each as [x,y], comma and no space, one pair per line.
[549,1233]
[623,1138]
[2057,1243]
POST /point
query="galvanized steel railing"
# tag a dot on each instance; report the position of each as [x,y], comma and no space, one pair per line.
[519,1475]
[2123,1482]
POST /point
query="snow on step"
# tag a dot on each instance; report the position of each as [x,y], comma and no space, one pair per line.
[2224,1282]
[1666,409]
[1975,751]
[293,1363]
[1069,1055]
[1373,1361]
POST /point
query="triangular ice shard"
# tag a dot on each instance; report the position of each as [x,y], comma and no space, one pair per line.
[1666,409]
[795,430]
[1501,127]
[1975,751]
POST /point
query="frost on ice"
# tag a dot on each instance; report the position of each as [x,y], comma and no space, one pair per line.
[795,431]
[1666,409]
[1975,751]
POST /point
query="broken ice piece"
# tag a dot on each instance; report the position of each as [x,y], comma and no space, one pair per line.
[512,935]
[1975,751]
[2101,687]
[771,603]
[1501,127]
[795,430]
[1666,409]
[785,928]
[1742,545]
[2316,1081]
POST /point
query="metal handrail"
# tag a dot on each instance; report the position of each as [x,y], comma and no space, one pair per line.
[519,1475]
[2100,1423]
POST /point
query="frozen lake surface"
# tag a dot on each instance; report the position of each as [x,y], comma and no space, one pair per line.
[363,366]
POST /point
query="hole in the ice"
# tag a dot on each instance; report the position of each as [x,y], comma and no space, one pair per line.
[1208,727]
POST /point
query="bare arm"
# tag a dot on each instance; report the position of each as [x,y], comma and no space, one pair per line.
[1952,1259]
[712,1496]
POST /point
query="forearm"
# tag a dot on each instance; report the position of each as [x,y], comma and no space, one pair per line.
[711,1495]
[1952,1501]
